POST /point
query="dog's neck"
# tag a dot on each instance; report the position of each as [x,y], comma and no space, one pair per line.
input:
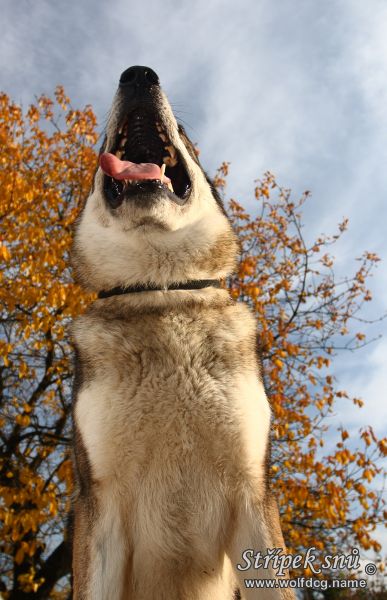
[196,284]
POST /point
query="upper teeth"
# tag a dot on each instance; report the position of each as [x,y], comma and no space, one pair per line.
[123,126]
[169,161]
[171,151]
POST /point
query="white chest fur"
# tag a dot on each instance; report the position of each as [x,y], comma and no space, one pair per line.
[176,388]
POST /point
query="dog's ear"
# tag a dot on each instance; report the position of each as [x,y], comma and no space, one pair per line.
[216,195]
[193,152]
[100,151]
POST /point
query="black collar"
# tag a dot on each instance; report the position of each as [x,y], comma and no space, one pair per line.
[196,284]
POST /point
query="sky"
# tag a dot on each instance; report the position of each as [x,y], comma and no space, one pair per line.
[295,87]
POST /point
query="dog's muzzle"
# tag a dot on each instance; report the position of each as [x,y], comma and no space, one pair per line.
[142,159]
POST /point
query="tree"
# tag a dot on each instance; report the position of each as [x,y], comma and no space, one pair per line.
[47,160]
[46,170]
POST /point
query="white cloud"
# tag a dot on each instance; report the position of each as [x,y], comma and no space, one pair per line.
[297,87]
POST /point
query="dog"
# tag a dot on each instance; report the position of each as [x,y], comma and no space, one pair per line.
[171,419]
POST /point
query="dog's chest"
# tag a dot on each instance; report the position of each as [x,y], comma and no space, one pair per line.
[179,386]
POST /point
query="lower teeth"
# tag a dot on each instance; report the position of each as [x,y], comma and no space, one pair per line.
[127,182]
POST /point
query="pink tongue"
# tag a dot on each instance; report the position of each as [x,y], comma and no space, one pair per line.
[124,169]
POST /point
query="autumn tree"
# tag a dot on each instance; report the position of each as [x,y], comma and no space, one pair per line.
[46,167]
[325,487]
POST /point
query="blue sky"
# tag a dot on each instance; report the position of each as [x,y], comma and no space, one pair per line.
[293,86]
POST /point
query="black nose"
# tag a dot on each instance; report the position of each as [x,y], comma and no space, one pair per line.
[139,77]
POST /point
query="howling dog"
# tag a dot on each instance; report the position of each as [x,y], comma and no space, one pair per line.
[171,420]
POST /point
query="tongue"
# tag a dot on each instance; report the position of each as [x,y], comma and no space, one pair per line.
[124,169]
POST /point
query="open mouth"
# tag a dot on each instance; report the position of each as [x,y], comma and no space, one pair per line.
[143,160]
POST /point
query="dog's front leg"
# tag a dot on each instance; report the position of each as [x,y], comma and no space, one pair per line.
[257,530]
[99,552]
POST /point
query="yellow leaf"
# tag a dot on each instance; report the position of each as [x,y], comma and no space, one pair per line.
[19,555]
[5,253]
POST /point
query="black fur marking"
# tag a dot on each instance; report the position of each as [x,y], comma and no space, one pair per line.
[267,458]
[81,462]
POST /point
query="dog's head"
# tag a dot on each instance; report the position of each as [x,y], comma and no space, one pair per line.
[153,216]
